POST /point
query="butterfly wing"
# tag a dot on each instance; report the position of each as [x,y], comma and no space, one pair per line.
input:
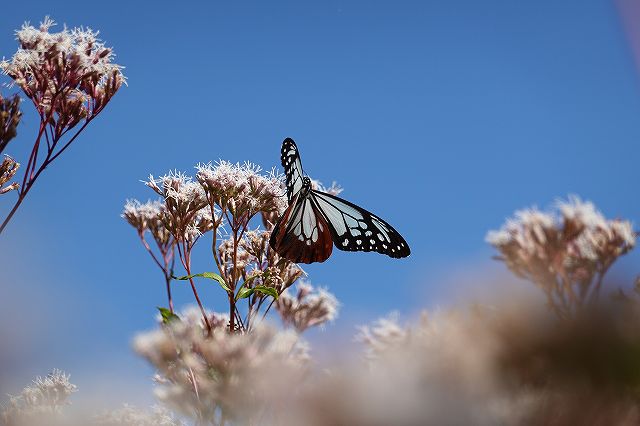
[302,235]
[290,159]
[355,229]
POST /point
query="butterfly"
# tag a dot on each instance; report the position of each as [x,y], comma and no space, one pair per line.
[316,220]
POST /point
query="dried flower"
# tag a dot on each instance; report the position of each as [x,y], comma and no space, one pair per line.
[8,168]
[310,307]
[10,116]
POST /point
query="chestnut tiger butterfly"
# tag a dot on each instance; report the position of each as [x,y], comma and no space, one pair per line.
[316,220]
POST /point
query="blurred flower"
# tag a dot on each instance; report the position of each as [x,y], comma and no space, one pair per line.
[8,168]
[10,116]
[201,373]
[566,255]
[438,371]
[383,334]
[41,400]
[310,307]
[132,416]
[507,364]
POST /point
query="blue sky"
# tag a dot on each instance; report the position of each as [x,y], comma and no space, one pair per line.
[442,117]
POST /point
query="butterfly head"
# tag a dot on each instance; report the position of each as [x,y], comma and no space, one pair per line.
[306,185]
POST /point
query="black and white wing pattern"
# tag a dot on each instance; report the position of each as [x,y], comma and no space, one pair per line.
[302,234]
[315,221]
[355,229]
[290,159]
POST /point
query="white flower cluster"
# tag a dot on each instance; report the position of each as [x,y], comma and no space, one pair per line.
[79,47]
[563,252]
[334,189]
[43,399]
[142,215]
[242,188]
[309,307]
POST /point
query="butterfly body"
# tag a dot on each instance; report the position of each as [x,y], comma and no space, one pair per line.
[315,220]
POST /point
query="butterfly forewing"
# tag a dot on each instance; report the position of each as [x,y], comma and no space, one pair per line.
[355,229]
[290,159]
[302,235]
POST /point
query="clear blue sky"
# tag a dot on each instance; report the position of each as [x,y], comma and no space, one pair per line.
[442,117]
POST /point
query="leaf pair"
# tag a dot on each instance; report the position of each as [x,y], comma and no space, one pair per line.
[242,293]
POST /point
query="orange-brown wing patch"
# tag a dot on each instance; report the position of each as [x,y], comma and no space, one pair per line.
[302,234]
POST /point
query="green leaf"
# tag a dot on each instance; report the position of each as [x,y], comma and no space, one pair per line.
[244,292]
[269,291]
[209,275]
[167,315]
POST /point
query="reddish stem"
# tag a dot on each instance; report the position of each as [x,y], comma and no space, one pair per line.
[186,263]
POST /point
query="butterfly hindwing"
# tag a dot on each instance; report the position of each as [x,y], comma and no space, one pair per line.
[292,164]
[302,235]
[355,229]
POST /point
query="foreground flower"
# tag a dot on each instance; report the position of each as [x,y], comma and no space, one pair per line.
[565,254]
[132,416]
[42,400]
[206,375]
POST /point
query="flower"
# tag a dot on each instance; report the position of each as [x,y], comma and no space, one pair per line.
[201,373]
[43,398]
[186,214]
[565,252]
[10,116]
[334,189]
[310,307]
[143,216]
[70,73]
[132,416]
[241,188]
[8,168]
[383,334]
